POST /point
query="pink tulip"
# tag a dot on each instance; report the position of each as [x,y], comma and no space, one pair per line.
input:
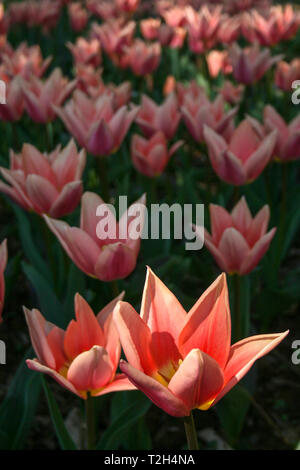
[114,35]
[78,16]
[281,23]
[95,123]
[127,6]
[250,64]
[238,241]
[242,159]
[150,27]
[105,253]
[47,184]
[3,262]
[153,118]
[197,113]
[84,357]
[142,58]
[229,29]
[175,16]
[86,52]
[288,135]
[150,157]
[232,94]
[217,61]
[26,61]
[202,28]
[181,360]
[286,73]
[41,97]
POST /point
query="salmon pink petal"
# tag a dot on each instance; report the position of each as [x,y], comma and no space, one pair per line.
[37,330]
[41,193]
[36,163]
[165,317]
[234,248]
[215,252]
[56,343]
[135,337]
[259,159]
[220,219]
[208,324]
[35,365]
[116,261]
[160,395]
[82,334]
[68,200]
[241,216]
[257,252]
[89,218]
[119,384]
[244,354]
[198,380]
[101,141]
[259,225]
[90,370]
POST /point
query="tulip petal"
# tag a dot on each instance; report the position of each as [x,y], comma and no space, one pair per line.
[67,200]
[41,193]
[234,248]
[198,380]
[160,395]
[208,324]
[119,384]
[257,252]
[116,261]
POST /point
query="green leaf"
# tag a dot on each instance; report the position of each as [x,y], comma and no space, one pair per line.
[64,438]
[123,420]
[18,408]
[48,302]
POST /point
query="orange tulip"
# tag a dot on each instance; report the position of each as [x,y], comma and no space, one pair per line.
[83,358]
[181,360]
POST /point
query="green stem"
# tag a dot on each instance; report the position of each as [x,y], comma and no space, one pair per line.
[103,178]
[90,422]
[190,432]
[115,288]
[237,313]
[49,136]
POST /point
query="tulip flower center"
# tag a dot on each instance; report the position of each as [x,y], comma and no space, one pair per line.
[165,373]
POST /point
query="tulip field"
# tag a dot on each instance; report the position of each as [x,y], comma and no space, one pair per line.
[149,225]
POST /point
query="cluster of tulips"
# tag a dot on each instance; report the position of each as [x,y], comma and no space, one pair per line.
[102,95]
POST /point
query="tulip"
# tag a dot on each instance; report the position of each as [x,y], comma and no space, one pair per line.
[78,16]
[229,30]
[3,262]
[127,6]
[86,52]
[45,183]
[84,357]
[217,61]
[142,58]
[288,135]
[96,124]
[150,157]
[202,28]
[102,248]
[197,113]
[241,160]
[150,27]
[251,63]
[114,35]
[175,16]
[153,118]
[181,360]
[41,97]
[232,94]
[25,61]
[238,241]
[286,73]
[280,24]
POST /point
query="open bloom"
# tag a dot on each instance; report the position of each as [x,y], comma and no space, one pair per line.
[242,159]
[165,117]
[40,96]
[25,61]
[202,27]
[232,94]
[3,262]
[101,247]
[141,57]
[150,157]
[197,112]
[95,123]
[238,241]
[286,73]
[78,16]
[181,360]
[83,358]
[86,52]
[250,64]
[288,135]
[45,183]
